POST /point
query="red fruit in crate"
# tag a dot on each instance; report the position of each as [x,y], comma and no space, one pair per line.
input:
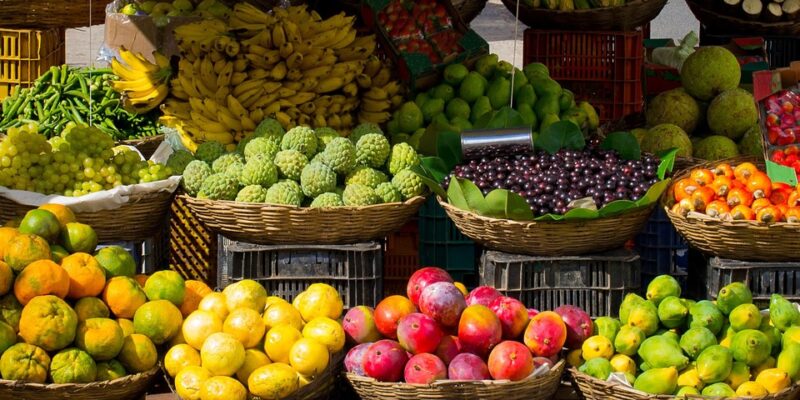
[448,348]
[787,106]
[546,334]
[443,302]
[773,120]
[389,312]
[787,121]
[790,158]
[772,134]
[479,330]
[483,295]
[359,325]
[792,150]
[423,277]
[778,156]
[385,361]
[579,325]
[510,360]
[512,314]
[468,367]
[786,136]
[424,369]
[532,312]
[354,360]
[419,333]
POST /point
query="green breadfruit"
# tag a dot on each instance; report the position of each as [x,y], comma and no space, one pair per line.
[366,176]
[193,176]
[283,193]
[302,139]
[327,200]
[259,171]
[316,179]
[261,146]
[290,164]
[252,194]
[224,161]
[388,193]
[324,136]
[364,129]
[372,150]
[403,156]
[219,187]
[209,151]
[340,155]
[359,195]
[408,183]
[710,71]
[178,161]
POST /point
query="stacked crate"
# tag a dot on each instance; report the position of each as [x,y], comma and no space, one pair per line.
[25,54]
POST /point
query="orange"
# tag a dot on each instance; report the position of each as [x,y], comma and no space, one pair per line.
[41,278]
[6,234]
[42,223]
[6,278]
[100,337]
[180,357]
[48,322]
[245,294]
[58,253]
[281,312]
[199,325]
[10,311]
[245,325]
[138,353]
[273,381]
[91,307]
[279,341]
[78,237]
[326,331]
[165,285]
[63,213]
[126,325]
[110,370]
[159,320]
[123,296]
[141,279]
[25,249]
[73,366]
[86,278]
[253,359]
[319,300]
[222,388]
[189,381]
[308,357]
[195,291]
[222,354]
[25,362]
[214,302]
[116,261]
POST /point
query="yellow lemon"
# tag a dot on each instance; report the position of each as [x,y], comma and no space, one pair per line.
[774,380]
[272,300]
[199,325]
[771,362]
[597,347]
[574,358]
[253,359]
[308,357]
[180,357]
[326,331]
[222,354]
[623,363]
[273,381]
[319,300]
[189,381]
[222,388]
[751,389]
[245,325]
[279,313]
[214,302]
[246,293]
[279,341]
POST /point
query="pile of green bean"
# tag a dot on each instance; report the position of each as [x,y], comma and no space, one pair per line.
[82,95]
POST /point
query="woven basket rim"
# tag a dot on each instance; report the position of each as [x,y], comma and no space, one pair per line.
[628,4]
[734,19]
[140,141]
[447,383]
[288,208]
[122,381]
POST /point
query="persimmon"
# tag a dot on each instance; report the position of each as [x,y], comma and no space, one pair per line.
[702,176]
[742,213]
[758,204]
[721,185]
[717,208]
[684,188]
[723,169]
[738,196]
[784,209]
[743,171]
[769,214]
[701,197]
[759,185]
[793,215]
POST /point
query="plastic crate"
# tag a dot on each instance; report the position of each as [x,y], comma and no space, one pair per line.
[401,258]
[604,68]
[356,270]
[661,248]
[763,278]
[192,247]
[26,54]
[597,283]
[440,242]
[781,50]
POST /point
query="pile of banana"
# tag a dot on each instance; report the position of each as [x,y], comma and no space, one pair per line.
[143,85]
[289,64]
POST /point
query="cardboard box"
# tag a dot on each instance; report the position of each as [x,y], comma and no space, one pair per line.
[140,34]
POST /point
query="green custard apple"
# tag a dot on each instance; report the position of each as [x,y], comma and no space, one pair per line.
[222,162]
[339,155]
[327,200]
[408,183]
[403,156]
[178,161]
[302,139]
[316,179]
[259,171]
[284,193]
[252,194]
[359,195]
[261,146]
[388,193]
[366,176]
[219,187]
[290,164]
[372,150]
[193,176]
[209,151]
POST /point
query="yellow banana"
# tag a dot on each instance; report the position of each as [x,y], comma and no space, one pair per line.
[272,109]
[232,49]
[271,87]
[222,93]
[294,75]
[382,77]
[308,107]
[350,89]
[334,121]
[162,61]
[392,88]
[374,117]
[286,49]
[344,39]
[141,84]
[235,107]
[258,73]
[323,102]
[124,72]
[238,77]
[279,71]
[265,100]
[248,124]
[257,114]
[318,71]
[304,120]
[353,53]
[224,77]
[283,119]
[347,121]
[137,62]
[295,60]
[319,121]
[188,86]
[144,104]
[308,84]
[301,97]
[197,105]
[247,86]
[376,93]
[375,105]
[285,92]
[208,124]
[364,81]
[232,123]
[397,100]
[372,66]
[278,35]
[293,85]
[240,64]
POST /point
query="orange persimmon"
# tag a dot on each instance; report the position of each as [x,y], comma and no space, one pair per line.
[721,185]
[769,214]
[723,169]
[742,212]
[701,197]
[684,188]
[759,185]
[793,215]
[743,171]
[702,176]
[758,204]
[717,208]
[738,196]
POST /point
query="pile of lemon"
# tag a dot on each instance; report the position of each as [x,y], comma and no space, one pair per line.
[241,340]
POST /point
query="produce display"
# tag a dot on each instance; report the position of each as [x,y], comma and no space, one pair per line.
[303,167]
[780,115]
[665,344]
[423,27]
[740,192]
[710,117]
[439,331]
[162,10]
[571,5]
[758,10]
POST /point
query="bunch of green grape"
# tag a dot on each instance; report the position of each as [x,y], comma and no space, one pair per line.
[80,161]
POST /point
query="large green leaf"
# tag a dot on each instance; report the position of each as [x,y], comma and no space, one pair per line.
[473,195]
[617,207]
[667,158]
[430,179]
[654,193]
[448,146]
[581,213]
[560,135]
[623,143]
[503,203]
[455,195]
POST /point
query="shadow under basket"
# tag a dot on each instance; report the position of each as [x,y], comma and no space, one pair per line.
[129,387]
[532,388]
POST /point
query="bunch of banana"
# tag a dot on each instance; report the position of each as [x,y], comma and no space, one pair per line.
[381,95]
[143,85]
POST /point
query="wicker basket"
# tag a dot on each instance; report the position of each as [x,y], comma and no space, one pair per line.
[716,22]
[279,224]
[534,388]
[129,387]
[591,388]
[40,14]
[632,15]
[138,219]
[324,384]
[549,238]
[737,240]
[147,146]
[468,9]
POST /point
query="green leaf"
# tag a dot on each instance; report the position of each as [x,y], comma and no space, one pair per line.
[549,217]
[496,202]
[436,167]
[560,135]
[781,173]
[667,158]
[617,207]
[623,143]
[654,193]
[506,204]
[581,213]
[455,195]
[473,195]
[430,180]
[448,146]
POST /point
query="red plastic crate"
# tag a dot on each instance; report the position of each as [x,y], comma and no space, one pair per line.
[604,68]
[401,258]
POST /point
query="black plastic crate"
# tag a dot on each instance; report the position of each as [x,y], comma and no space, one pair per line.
[781,50]
[355,270]
[597,283]
[763,278]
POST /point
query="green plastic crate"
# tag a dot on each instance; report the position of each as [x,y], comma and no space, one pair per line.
[441,244]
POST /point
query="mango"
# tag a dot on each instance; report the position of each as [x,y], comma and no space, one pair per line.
[658,381]
[597,346]
[740,373]
[789,360]
[714,364]
[733,295]
[672,312]
[525,95]
[599,368]
[690,377]
[751,389]
[782,313]
[662,287]
[720,389]
[607,326]
[751,347]
[623,363]
[684,391]
[645,317]
[499,92]
[662,352]
[704,314]
[774,380]
[745,316]
[630,300]
[628,340]
[486,65]
[695,340]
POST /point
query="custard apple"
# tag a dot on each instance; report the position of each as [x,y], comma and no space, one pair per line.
[316,179]
[219,187]
[366,176]
[388,193]
[340,155]
[290,163]
[243,143]
[372,150]
[178,161]
[302,139]
[252,194]
[193,176]
[403,156]
[261,146]
[271,129]
[324,136]
[408,183]
[224,161]
[259,171]
[294,185]
[364,129]
[327,200]
[283,193]
[209,151]
[235,171]
[359,195]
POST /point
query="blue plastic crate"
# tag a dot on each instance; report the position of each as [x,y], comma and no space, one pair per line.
[440,242]
[661,247]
